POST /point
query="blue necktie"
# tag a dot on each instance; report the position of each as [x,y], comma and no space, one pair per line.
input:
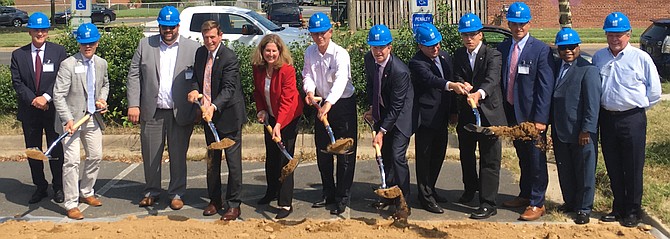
[564,70]
[90,87]
[377,90]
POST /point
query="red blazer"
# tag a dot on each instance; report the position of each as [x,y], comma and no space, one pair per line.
[284,96]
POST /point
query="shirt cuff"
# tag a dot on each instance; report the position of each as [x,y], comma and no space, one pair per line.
[47,96]
[381,129]
[215,108]
[446,86]
[483,93]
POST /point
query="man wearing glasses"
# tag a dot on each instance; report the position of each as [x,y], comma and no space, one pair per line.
[327,73]
[575,107]
[478,65]
[630,86]
[158,84]
[528,81]
[433,85]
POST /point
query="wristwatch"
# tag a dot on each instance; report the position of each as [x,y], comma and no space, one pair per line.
[382,130]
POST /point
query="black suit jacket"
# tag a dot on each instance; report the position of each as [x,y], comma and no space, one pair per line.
[431,100]
[485,76]
[23,78]
[227,92]
[397,94]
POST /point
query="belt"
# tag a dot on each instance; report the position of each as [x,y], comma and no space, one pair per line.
[163,109]
[625,112]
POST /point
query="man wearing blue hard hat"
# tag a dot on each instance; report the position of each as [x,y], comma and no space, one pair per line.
[34,67]
[434,87]
[159,80]
[80,92]
[327,73]
[478,66]
[528,81]
[575,108]
[391,96]
[630,86]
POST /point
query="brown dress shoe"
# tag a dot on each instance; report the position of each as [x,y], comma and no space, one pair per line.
[532,213]
[517,202]
[211,209]
[148,201]
[231,214]
[92,200]
[176,204]
[75,214]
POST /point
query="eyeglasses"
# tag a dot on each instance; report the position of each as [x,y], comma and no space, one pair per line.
[469,34]
[318,34]
[568,47]
[163,27]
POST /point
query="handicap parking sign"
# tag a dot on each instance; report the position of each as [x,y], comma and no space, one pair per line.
[420,18]
[422,3]
[80,5]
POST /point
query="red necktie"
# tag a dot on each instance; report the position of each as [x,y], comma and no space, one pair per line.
[207,83]
[514,59]
[38,71]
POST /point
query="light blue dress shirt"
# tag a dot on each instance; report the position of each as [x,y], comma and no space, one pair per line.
[629,79]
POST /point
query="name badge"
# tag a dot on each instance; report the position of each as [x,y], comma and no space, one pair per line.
[524,69]
[48,67]
[188,74]
[79,69]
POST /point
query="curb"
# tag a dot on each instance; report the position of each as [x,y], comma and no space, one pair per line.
[656,223]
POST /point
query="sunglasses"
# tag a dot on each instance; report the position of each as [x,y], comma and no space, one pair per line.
[168,27]
[568,47]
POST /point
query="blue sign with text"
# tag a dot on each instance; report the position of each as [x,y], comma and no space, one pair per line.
[80,5]
[422,3]
[420,18]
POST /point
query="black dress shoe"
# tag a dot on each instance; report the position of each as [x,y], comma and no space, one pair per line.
[582,218]
[283,213]
[432,207]
[439,198]
[266,200]
[630,221]
[483,213]
[339,209]
[322,203]
[380,205]
[38,196]
[565,208]
[59,197]
[611,217]
[466,197]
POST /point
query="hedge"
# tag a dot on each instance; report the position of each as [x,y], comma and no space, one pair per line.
[118,46]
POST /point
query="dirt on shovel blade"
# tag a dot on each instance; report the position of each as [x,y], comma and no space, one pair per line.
[390,193]
[523,131]
[223,144]
[288,169]
[35,153]
[341,146]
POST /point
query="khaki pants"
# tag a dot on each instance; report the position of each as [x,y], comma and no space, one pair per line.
[90,136]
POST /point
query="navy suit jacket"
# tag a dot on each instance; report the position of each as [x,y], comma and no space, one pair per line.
[485,76]
[532,91]
[576,101]
[23,78]
[397,94]
[431,100]
[227,92]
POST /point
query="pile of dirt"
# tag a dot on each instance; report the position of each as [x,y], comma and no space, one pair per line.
[182,227]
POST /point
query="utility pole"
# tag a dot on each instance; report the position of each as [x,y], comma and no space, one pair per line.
[565,18]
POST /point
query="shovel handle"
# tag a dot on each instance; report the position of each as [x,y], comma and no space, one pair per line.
[471,102]
[81,121]
[269,129]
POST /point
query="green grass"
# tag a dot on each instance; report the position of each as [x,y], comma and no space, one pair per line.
[587,35]
[665,87]
[17,39]
[139,12]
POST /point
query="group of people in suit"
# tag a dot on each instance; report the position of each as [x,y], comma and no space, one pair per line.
[173,83]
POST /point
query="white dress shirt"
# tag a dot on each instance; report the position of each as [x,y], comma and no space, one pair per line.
[33,53]
[328,75]
[472,57]
[168,60]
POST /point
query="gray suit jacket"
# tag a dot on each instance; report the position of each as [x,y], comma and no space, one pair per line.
[576,101]
[143,81]
[70,93]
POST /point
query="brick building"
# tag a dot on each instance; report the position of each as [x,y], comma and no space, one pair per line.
[588,13]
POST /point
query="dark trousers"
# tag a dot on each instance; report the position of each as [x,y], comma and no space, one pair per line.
[577,172]
[533,164]
[234,163]
[490,155]
[394,150]
[430,146]
[275,160]
[342,118]
[623,136]
[33,128]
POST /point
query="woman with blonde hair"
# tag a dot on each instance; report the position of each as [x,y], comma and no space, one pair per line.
[278,104]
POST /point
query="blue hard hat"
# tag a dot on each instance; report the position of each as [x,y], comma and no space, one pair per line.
[616,22]
[567,36]
[87,33]
[168,16]
[379,35]
[319,22]
[518,12]
[469,23]
[38,21]
[427,34]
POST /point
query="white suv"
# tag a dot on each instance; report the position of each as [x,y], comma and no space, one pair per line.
[237,24]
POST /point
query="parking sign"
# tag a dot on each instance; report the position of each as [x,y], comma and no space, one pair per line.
[420,18]
[80,5]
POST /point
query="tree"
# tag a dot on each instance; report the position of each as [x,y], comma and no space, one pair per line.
[565,18]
